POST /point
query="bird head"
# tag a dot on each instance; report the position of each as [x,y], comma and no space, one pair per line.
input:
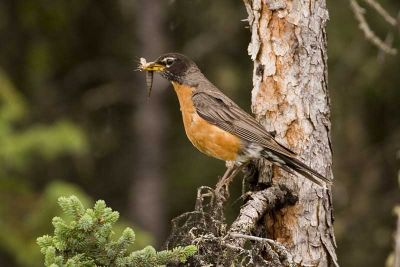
[172,66]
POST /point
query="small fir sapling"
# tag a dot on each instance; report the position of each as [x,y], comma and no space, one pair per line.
[86,239]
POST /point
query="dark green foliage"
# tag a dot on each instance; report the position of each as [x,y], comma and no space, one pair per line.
[86,239]
[24,145]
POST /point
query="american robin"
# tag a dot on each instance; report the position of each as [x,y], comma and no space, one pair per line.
[220,128]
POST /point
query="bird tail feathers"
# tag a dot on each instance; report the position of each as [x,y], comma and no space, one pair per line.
[291,164]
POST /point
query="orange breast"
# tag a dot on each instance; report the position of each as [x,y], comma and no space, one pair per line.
[206,137]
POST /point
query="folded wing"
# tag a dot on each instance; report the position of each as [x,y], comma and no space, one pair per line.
[219,110]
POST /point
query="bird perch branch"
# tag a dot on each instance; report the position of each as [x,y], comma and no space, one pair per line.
[260,203]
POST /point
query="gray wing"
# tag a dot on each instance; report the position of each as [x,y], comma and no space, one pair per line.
[219,110]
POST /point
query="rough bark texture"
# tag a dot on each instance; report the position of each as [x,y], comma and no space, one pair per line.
[257,206]
[288,47]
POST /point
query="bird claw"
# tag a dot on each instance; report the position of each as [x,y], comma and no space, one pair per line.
[222,189]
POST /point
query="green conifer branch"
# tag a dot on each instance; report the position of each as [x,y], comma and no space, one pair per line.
[86,240]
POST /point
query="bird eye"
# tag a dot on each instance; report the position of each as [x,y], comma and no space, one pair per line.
[169,62]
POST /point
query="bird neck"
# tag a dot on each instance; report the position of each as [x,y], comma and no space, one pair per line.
[184,93]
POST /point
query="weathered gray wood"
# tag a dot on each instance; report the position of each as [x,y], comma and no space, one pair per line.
[256,207]
[288,47]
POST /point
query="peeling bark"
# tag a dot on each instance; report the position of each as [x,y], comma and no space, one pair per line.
[255,208]
[288,47]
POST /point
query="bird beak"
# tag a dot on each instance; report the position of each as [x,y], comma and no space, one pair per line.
[152,66]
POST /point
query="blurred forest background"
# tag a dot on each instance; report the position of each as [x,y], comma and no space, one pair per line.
[75,118]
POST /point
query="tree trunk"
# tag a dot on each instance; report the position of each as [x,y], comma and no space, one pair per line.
[290,97]
[148,126]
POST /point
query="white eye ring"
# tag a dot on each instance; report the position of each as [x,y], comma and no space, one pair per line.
[169,61]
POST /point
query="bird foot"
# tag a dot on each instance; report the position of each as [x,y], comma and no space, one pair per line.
[222,189]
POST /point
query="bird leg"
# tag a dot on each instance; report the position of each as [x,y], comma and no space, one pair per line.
[232,170]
